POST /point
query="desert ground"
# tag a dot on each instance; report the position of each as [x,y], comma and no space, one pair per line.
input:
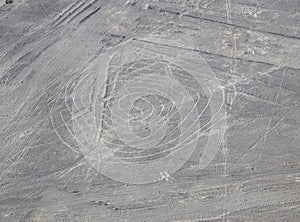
[150,110]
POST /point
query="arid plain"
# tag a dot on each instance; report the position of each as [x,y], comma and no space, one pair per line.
[157,110]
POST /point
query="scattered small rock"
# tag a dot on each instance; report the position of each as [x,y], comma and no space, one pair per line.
[131,2]
[147,6]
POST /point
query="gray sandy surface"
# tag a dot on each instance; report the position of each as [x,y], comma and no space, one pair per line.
[158,110]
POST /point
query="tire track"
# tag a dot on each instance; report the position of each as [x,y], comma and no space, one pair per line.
[82,11]
[69,13]
[89,15]
[38,27]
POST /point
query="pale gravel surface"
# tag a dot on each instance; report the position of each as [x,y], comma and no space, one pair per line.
[103,112]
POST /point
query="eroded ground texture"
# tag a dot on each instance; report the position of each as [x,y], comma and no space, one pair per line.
[158,110]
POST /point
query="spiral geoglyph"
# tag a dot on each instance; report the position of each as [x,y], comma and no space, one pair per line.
[142,109]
